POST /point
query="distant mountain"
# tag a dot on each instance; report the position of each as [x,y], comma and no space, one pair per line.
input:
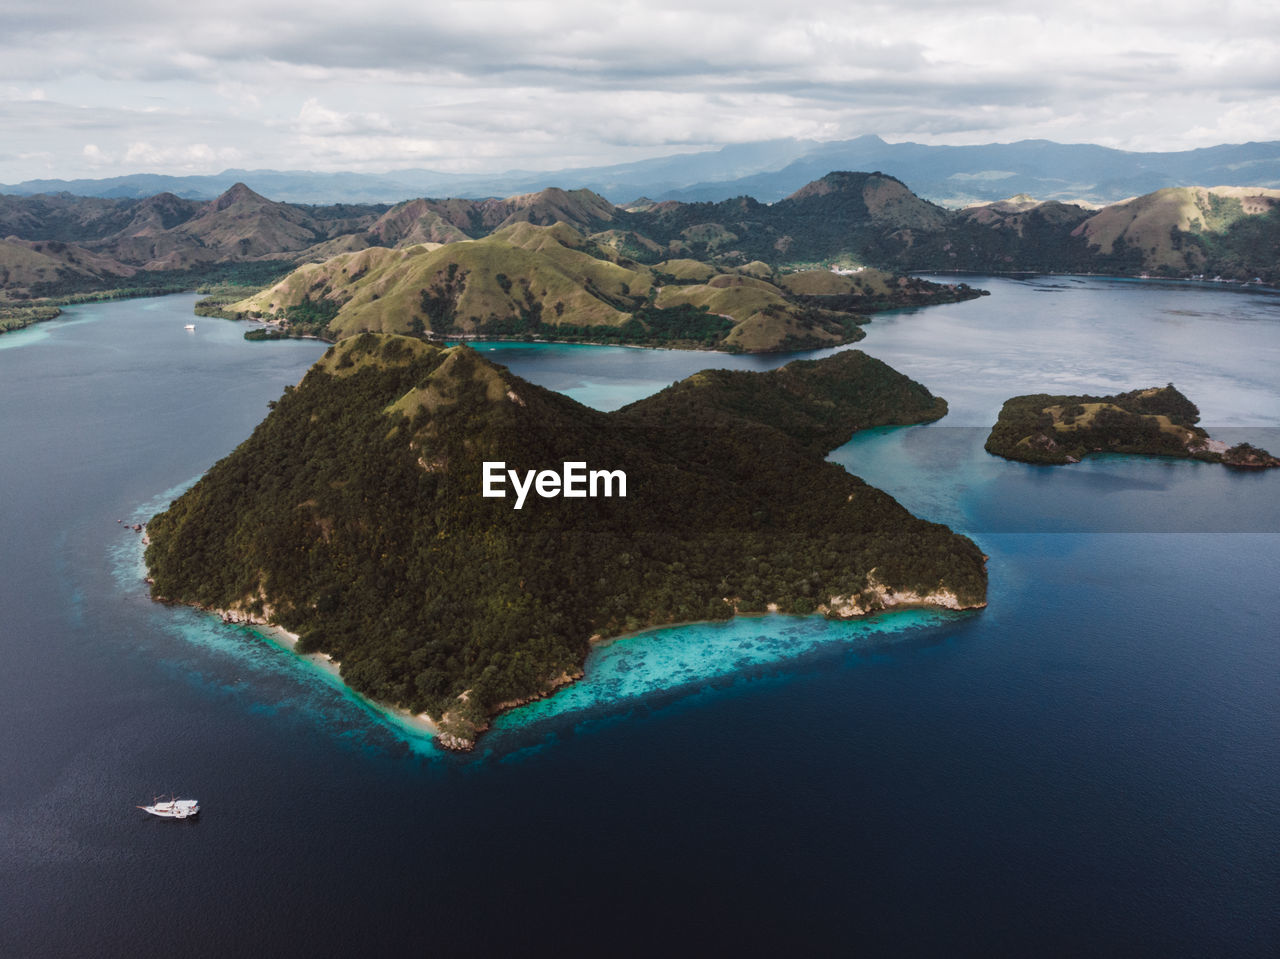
[842,218]
[957,176]
[69,218]
[27,264]
[768,170]
[860,214]
[85,241]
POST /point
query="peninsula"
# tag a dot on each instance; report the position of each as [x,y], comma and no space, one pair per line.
[354,516]
[1159,421]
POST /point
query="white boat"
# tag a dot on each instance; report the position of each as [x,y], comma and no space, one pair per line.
[191,327]
[173,808]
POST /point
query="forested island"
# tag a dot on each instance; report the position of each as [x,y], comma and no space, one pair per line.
[1158,421]
[354,517]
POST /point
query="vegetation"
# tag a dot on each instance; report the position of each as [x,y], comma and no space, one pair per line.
[551,282]
[353,515]
[1159,421]
[819,404]
[233,284]
[16,317]
[63,246]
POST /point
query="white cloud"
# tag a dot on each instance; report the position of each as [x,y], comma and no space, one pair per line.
[542,83]
[189,158]
[94,156]
[314,120]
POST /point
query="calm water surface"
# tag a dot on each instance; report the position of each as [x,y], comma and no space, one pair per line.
[1088,766]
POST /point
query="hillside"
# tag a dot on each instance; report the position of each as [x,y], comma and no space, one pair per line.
[819,404]
[550,282]
[1189,229]
[1159,421]
[240,225]
[841,215]
[100,245]
[354,516]
[842,219]
[27,267]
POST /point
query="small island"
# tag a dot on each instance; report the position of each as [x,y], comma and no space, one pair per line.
[1158,421]
[357,516]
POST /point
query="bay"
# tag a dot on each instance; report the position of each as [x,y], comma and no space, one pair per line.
[1086,766]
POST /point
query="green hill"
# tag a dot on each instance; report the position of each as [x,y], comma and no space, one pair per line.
[818,403]
[354,516]
[550,282]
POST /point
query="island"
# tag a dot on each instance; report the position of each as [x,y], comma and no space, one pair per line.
[1157,421]
[552,283]
[374,513]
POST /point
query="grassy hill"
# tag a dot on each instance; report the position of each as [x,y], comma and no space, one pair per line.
[551,282]
[353,515]
[1184,229]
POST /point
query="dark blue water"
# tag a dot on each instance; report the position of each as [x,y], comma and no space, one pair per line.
[1089,766]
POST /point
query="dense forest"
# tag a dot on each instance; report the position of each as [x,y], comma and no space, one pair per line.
[353,516]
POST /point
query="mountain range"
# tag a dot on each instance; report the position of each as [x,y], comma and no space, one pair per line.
[59,245]
[768,170]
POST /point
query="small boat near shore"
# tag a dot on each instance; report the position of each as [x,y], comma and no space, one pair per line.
[190,327]
[173,808]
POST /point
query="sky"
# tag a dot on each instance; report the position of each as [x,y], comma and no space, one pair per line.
[97,89]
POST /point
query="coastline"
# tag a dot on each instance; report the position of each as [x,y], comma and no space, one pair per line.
[457,734]
[419,724]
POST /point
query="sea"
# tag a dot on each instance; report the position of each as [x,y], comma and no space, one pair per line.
[1090,766]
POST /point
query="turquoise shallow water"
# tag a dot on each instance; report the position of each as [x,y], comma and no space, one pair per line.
[685,659]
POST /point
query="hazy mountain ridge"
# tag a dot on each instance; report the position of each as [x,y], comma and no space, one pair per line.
[767,170]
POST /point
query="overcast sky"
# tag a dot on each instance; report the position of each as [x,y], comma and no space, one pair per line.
[123,86]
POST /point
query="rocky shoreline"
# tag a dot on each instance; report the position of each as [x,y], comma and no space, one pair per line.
[878,598]
[459,733]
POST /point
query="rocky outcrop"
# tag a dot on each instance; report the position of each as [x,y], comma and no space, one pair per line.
[458,732]
[878,597]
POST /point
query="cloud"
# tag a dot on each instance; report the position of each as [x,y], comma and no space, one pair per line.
[94,156]
[315,120]
[194,157]
[540,83]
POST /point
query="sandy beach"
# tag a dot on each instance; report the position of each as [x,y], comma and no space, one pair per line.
[419,723]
